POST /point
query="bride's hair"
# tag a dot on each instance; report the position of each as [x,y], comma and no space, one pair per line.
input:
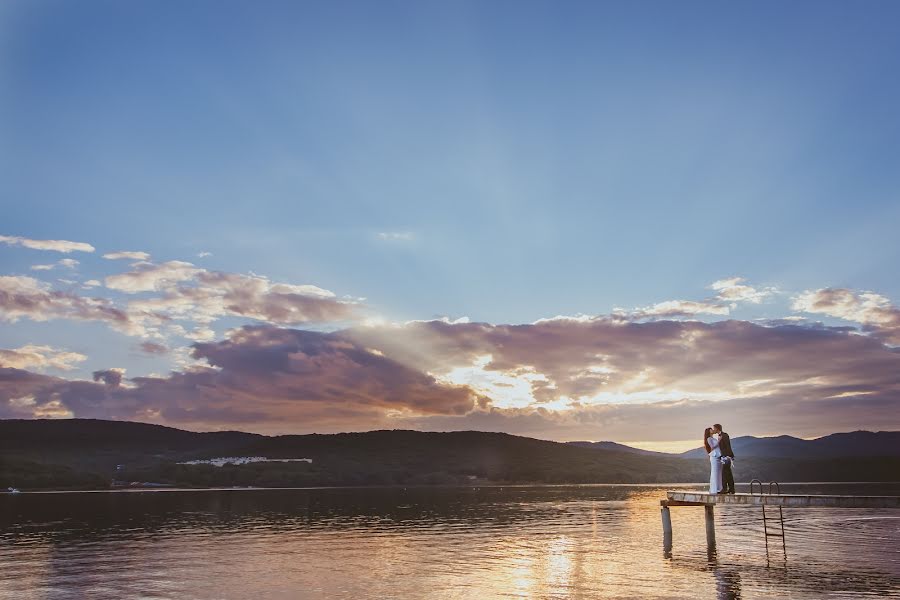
[706,433]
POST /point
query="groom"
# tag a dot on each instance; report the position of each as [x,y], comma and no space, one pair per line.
[725,447]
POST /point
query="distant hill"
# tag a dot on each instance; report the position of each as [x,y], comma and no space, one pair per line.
[84,453]
[101,445]
[836,445]
[616,447]
[483,455]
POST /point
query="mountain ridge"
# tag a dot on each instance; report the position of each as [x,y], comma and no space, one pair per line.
[858,443]
[617,447]
[73,453]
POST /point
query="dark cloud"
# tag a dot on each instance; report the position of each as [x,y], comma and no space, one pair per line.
[262,377]
[24,395]
[18,386]
[153,348]
[327,368]
[111,377]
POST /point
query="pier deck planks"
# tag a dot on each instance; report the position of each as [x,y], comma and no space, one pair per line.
[692,498]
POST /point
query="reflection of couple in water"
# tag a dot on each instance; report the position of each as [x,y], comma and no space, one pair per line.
[721,456]
[728,580]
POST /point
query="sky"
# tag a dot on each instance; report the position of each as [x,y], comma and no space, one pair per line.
[578,220]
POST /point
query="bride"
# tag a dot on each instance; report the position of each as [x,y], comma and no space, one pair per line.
[711,444]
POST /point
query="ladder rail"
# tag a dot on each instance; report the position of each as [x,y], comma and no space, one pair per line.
[780,515]
[752,481]
[781,518]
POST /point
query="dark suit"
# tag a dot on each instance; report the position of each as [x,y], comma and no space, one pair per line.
[727,475]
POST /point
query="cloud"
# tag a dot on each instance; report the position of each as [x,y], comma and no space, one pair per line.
[214,294]
[559,379]
[320,367]
[26,297]
[40,357]
[204,254]
[548,378]
[679,308]
[735,290]
[572,364]
[24,394]
[729,292]
[182,292]
[262,375]
[873,311]
[126,255]
[111,377]
[69,263]
[147,277]
[395,236]
[201,334]
[55,245]
[153,348]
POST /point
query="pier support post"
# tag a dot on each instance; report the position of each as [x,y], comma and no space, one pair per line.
[666,520]
[710,526]
[667,528]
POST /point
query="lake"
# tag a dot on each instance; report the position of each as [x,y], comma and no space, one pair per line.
[489,542]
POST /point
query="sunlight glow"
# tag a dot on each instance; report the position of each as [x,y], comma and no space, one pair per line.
[670,446]
[509,389]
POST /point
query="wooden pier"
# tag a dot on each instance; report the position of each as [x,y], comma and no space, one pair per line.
[688,498]
[777,500]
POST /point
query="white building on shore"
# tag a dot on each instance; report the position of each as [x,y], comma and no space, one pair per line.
[241,460]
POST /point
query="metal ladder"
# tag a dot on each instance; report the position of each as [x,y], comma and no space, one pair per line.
[766,531]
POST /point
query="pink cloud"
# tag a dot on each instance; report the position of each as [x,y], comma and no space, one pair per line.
[873,311]
[214,294]
[26,297]
[147,277]
[32,356]
[63,246]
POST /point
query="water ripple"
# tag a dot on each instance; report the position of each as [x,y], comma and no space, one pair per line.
[544,542]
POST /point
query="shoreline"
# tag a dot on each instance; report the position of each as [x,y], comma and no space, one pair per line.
[137,490]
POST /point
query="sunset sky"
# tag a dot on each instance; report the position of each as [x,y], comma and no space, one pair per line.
[576,220]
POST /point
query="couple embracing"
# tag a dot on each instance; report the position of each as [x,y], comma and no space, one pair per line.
[721,456]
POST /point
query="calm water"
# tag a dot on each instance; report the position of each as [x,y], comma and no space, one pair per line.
[513,542]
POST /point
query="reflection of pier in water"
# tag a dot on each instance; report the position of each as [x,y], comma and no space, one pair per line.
[774,500]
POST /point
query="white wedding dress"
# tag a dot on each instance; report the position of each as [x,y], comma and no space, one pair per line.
[715,465]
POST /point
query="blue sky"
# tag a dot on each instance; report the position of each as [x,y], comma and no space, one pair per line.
[503,161]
